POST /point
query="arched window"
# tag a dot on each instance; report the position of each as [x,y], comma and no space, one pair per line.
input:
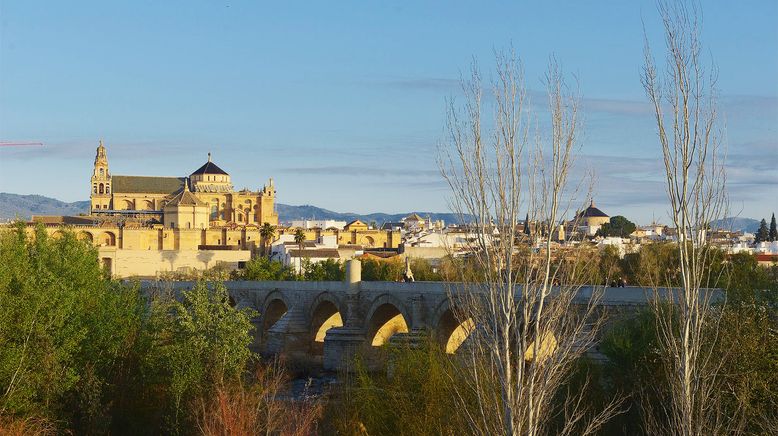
[240,217]
[107,189]
[102,188]
[94,189]
[102,172]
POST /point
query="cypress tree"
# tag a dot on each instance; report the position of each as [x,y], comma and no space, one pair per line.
[527,232]
[762,234]
[773,230]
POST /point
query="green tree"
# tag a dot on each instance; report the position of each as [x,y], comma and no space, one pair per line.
[415,397]
[653,265]
[262,268]
[762,235]
[381,270]
[266,232]
[609,265]
[773,235]
[618,226]
[200,342]
[424,272]
[65,330]
[746,281]
[328,270]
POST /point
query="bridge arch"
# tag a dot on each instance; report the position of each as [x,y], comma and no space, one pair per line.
[274,308]
[450,329]
[326,311]
[386,317]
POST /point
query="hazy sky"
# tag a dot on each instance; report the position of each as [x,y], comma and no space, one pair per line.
[343,103]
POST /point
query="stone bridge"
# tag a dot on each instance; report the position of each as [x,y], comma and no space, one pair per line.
[327,323]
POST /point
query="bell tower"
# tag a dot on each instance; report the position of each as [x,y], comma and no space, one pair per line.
[101,182]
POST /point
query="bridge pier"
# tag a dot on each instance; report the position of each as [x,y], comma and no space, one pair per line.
[290,336]
[341,346]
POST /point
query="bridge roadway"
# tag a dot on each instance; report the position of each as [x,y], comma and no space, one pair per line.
[326,323]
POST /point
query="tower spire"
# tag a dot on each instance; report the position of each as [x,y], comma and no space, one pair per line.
[100,188]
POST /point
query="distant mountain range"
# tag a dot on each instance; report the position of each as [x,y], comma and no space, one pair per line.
[748,225]
[24,206]
[287,213]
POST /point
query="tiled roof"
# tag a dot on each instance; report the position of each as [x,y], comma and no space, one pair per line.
[59,219]
[592,211]
[322,253]
[414,217]
[209,168]
[305,243]
[185,198]
[355,223]
[146,184]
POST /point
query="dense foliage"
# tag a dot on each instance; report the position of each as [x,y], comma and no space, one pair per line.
[743,343]
[262,268]
[81,353]
[66,331]
[412,393]
[618,226]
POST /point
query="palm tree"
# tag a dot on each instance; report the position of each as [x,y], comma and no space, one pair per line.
[267,232]
[299,239]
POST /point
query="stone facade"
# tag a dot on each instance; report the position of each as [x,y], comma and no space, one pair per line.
[141,197]
[145,226]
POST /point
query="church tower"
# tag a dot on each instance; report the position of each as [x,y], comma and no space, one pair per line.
[101,182]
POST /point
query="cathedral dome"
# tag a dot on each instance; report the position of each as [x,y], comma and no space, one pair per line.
[209,168]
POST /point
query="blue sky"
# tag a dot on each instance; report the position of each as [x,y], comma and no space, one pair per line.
[343,103]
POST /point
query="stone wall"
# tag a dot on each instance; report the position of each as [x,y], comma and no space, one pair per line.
[149,263]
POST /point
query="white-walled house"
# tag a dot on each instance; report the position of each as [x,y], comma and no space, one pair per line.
[766,248]
[285,250]
[318,224]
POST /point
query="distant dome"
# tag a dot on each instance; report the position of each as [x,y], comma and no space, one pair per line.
[591,212]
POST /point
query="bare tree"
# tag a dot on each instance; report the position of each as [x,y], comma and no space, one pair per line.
[530,321]
[684,96]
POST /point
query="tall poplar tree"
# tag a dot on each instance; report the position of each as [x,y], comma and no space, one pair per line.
[773,235]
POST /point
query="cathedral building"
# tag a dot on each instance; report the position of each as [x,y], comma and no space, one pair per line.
[148,226]
[205,198]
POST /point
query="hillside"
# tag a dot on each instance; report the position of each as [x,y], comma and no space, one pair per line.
[24,206]
[737,224]
[288,213]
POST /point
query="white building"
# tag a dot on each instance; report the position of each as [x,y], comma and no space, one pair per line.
[623,245]
[766,248]
[288,252]
[320,224]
